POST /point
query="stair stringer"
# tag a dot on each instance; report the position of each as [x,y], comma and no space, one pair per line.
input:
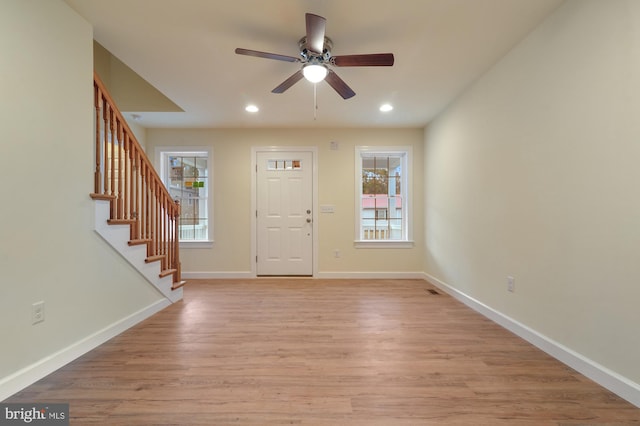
[118,237]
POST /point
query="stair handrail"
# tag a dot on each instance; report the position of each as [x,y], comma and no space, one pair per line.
[125,176]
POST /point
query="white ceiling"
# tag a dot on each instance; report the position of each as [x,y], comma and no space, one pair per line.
[185,48]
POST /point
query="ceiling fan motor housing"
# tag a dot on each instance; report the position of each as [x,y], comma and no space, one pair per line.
[314,58]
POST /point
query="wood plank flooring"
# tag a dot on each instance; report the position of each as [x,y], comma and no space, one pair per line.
[323,352]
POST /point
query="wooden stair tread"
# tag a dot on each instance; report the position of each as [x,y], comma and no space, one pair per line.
[154,258]
[140,241]
[95,196]
[167,272]
[121,221]
[177,285]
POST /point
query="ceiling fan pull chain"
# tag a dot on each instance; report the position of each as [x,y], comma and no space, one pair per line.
[315,101]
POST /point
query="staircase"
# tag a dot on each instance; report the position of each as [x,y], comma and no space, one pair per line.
[134,212]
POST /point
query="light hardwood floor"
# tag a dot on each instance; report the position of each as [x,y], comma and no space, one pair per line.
[323,352]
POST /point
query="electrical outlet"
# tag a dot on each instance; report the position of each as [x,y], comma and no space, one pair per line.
[37,312]
[336,253]
[511,284]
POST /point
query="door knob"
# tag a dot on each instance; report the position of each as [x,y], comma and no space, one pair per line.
[308,220]
[308,211]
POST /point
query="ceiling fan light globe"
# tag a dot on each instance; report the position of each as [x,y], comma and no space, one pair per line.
[315,73]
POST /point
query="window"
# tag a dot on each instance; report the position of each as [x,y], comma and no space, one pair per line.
[186,174]
[382,196]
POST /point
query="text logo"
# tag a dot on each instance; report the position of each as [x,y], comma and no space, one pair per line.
[40,414]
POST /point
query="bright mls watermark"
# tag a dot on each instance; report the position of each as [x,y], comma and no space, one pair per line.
[40,414]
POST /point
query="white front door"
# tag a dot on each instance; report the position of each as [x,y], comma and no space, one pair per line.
[284,221]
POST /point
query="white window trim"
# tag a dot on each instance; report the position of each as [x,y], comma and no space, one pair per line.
[407,152]
[161,168]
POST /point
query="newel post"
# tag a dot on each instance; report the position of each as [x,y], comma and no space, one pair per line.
[97,97]
[176,241]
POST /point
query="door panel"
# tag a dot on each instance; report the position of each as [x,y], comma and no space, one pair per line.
[284,228]
[274,194]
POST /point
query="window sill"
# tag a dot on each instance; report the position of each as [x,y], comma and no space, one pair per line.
[383,244]
[196,244]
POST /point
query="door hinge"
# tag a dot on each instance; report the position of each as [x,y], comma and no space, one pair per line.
[256,213]
[256,259]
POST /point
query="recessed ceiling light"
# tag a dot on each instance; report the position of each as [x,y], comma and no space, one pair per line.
[386,107]
[252,108]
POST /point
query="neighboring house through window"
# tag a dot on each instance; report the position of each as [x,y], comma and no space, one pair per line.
[383,196]
[187,175]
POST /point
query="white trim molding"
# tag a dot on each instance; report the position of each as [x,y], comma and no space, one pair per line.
[205,275]
[371,275]
[606,378]
[383,244]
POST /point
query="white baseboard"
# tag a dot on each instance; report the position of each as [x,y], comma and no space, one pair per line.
[28,375]
[371,275]
[606,378]
[323,275]
[215,275]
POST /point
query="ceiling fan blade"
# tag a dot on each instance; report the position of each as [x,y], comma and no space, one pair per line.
[315,32]
[259,54]
[371,60]
[289,82]
[339,85]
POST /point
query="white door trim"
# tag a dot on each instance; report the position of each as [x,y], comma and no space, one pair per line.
[254,153]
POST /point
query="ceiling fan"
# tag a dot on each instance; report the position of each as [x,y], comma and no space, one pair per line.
[315,57]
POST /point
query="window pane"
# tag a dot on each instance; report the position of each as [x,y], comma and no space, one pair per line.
[374,181]
[194,230]
[284,164]
[201,165]
[188,211]
[381,202]
[395,229]
[395,207]
[368,182]
[393,185]
[189,170]
[382,164]
[367,162]
[395,163]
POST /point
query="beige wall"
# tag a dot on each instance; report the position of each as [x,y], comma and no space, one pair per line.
[48,249]
[232,196]
[138,131]
[533,173]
